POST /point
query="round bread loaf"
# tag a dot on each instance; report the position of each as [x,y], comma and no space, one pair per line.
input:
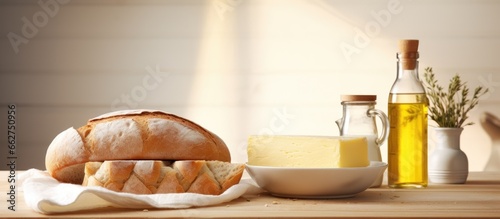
[130,135]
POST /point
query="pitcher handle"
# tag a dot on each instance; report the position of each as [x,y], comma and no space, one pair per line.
[385,123]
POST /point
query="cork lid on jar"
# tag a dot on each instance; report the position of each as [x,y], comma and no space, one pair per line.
[349,98]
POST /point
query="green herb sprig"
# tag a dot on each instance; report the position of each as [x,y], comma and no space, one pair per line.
[450,108]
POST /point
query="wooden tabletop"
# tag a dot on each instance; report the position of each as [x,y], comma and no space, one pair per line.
[478,198]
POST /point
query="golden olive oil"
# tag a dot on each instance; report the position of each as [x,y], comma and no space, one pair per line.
[407,143]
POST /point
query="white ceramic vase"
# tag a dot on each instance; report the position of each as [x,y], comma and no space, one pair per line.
[448,163]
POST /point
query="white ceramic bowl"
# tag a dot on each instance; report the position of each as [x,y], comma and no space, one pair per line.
[295,182]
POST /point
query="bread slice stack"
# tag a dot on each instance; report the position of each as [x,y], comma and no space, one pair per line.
[155,177]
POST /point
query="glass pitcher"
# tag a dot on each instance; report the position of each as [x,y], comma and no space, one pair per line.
[359,120]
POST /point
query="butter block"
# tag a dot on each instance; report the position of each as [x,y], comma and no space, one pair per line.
[307,151]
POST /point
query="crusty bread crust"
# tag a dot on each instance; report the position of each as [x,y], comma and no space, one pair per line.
[155,177]
[131,135]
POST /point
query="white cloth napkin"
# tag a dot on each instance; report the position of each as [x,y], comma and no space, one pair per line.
[46,195]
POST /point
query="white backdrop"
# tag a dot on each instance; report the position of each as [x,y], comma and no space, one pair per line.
[236,67]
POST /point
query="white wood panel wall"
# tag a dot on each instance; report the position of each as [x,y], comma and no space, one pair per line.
[237,67]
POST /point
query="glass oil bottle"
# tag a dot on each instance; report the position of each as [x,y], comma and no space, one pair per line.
[407,112]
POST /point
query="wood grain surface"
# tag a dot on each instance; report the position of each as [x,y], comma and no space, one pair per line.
[478,198]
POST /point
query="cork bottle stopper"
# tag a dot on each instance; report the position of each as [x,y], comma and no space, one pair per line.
[408,53]
[408,46]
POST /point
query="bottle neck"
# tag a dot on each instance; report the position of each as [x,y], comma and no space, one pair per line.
[407,79]
[407,74]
